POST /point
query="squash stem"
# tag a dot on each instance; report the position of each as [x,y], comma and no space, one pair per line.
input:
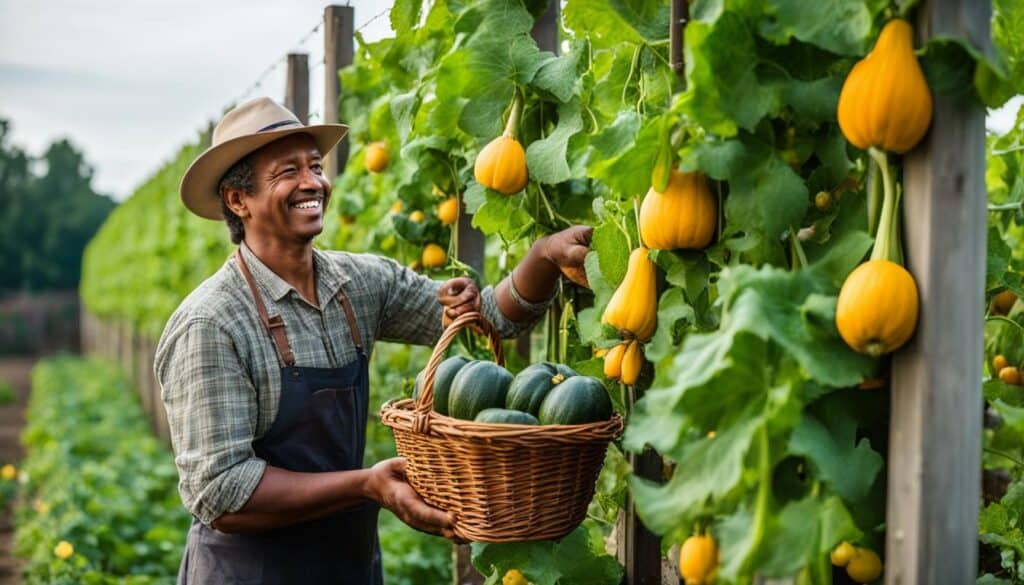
[763,494]
[884,248]
[874,199]
[636,216]
[512,126]
[799,255]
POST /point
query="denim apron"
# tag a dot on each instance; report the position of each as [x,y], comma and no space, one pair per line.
[320,426]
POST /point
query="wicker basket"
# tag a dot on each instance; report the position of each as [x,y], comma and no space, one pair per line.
[505,483]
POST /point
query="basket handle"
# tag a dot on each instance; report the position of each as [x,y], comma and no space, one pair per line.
[425,400]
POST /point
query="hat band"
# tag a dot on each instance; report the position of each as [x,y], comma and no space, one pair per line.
[278,125]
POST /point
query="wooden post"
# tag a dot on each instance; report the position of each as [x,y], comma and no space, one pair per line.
[680,12]
[639,549]
[339,40]
[296,90]
[935,438]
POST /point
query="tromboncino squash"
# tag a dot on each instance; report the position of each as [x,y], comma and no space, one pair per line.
[633,309]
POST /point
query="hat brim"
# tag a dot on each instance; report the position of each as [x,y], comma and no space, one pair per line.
[199,185]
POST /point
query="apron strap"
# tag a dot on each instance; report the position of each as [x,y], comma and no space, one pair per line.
[350,315]
[274,325]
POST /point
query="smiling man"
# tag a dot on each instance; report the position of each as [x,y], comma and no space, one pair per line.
[263,368]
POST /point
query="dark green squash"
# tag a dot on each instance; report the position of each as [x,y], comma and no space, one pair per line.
[578,400]
[446,371]
[531,386]
[477,386]
[506,417]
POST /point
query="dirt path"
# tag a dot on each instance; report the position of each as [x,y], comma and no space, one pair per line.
[17,372]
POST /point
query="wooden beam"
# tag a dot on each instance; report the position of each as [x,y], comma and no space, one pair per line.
[639,549]
[935,432]
[339,44]
[680,13]
[296,89]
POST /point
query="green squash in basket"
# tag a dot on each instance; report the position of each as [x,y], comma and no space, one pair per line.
[578,400]
[531,386]
[506,416]
[446,371]
[477,386]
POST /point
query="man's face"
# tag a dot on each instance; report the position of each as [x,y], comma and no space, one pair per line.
[290,191]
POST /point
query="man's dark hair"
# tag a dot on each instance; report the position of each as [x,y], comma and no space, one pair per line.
[239,176]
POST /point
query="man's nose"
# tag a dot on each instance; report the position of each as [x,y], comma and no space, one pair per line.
[310,181]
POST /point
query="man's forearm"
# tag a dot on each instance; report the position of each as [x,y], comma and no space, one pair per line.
[535,280]
[287,497]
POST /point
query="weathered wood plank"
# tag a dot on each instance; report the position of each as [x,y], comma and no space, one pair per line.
[934,454]
[339,41]
[296,87]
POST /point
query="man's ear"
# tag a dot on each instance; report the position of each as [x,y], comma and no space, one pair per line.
[236,201]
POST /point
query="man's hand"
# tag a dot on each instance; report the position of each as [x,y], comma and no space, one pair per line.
[389,487]
[459,296]
[568,248]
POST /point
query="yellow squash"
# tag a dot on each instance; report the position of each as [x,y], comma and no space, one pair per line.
[448,210]
[376,157]
[433,256]
[613,362]
[864,566]
[632,363]
[501,165]
[683,216]
[514,577]
[633,309]
[698,558]
[877,308]
[885,101]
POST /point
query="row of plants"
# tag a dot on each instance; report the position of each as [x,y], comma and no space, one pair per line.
[97,498]
[760,383]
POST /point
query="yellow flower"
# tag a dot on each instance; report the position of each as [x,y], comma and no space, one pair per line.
[64,550]
[40,506]
[8,472]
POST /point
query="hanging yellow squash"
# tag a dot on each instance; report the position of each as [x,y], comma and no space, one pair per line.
[698,559]
[633,309]
[683,216]
[885,102]
[376,157]
[877,308]
[433,256]
[501,165]
[613,362]
[448,210]
[632,363]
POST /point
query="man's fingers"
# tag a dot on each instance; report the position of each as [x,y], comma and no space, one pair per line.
[576,255]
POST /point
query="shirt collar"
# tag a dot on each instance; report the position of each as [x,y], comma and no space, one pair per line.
[329,276]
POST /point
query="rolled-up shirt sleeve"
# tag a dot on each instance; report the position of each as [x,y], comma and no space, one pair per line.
[412,313]
[212,413]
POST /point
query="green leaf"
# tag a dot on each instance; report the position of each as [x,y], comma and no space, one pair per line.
[405,14]
[546,158]
[502,214]
[566,562]
[610,22]
[623,161]
[672,308]
[843,27]
[558,76]
[706,468]
[848,466]
[612,250]
[403,108]
[724,93]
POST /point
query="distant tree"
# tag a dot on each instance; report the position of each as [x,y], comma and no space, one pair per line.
[45,220]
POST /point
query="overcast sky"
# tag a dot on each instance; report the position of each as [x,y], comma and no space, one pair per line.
[129,82]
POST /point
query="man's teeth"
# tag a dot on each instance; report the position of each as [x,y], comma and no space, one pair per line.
[307,204]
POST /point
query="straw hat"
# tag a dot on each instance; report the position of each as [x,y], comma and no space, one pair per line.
[243,130]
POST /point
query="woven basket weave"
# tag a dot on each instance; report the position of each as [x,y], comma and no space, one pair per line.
[505,483]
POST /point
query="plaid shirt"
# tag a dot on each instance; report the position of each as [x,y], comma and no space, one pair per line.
[220,374]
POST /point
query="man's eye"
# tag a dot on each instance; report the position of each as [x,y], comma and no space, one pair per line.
[317,168]
[287,170]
